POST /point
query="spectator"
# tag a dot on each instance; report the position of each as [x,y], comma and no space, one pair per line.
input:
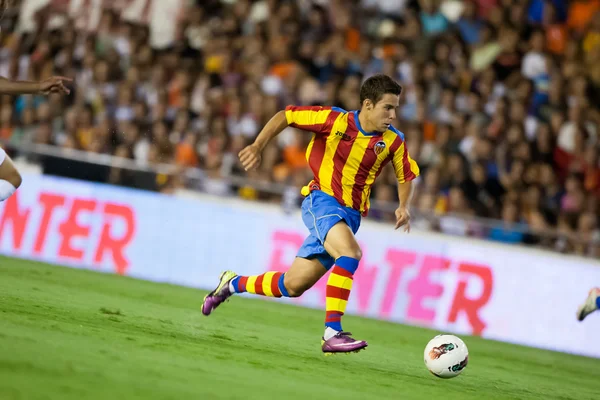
[500,102]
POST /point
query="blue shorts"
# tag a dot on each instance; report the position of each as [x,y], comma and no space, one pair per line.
[320,212]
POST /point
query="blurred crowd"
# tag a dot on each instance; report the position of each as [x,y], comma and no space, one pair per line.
[500,105]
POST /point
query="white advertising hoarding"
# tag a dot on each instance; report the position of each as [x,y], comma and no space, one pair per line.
[460,285]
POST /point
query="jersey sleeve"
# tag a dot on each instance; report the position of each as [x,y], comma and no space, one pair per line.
[314,119]
[406,168]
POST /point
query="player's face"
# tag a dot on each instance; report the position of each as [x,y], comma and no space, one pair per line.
[384,112]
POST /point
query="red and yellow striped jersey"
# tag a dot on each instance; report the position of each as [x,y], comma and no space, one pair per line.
[344,158]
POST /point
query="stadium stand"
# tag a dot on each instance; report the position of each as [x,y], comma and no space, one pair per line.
[500,104]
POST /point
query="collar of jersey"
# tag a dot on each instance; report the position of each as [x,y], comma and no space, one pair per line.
[357,122]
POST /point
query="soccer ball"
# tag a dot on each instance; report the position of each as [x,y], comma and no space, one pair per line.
[446,356]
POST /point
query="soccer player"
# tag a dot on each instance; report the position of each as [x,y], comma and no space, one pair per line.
[591,304]
[347,152]
[10,178]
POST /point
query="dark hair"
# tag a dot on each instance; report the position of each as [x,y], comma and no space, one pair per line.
[376,86]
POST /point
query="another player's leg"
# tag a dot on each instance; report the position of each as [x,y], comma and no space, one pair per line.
[301,276]
[591,304]
[341,245]
[10,179]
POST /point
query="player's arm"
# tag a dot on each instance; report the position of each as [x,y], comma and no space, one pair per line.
[18,87]
[54,84]
[250,156]
[406,171]
[274,127]
[312,119]
[405,192]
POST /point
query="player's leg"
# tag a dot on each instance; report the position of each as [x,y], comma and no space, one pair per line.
[341,244]
[10,179]
[591,304]
[310,265]
[301,276]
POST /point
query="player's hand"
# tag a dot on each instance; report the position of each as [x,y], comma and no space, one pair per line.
[250,157]
[403,218]
[55,84]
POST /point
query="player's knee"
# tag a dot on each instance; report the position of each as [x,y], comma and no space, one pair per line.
[355,253]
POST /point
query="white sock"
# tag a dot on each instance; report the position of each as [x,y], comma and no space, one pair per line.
[6,189]
[329,333]
[231,288]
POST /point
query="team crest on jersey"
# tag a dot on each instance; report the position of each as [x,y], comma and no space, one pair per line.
[379,147]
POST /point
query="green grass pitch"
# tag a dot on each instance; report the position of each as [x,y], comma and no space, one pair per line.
[75,334]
